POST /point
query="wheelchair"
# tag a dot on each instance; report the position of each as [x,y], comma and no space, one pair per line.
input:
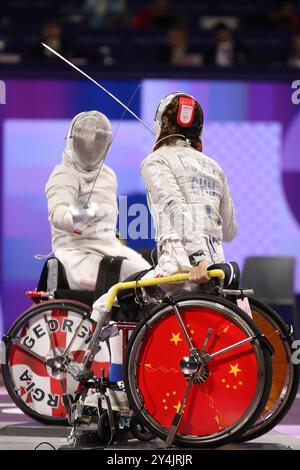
[198,370]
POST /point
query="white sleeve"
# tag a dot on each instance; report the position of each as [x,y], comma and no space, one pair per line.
[165,192]
[227,213]
[61,191]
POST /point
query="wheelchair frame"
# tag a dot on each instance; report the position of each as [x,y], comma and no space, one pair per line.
[126,327]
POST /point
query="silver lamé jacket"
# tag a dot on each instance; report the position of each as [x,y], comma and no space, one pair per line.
[189,199]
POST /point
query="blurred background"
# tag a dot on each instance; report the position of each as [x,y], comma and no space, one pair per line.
[123,33]
[238,59]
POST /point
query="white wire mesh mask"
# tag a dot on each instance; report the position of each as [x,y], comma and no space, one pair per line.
[90,138]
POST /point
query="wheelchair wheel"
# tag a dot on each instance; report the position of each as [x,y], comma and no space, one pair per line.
[104,431]
[35,345]
[285,381]
[226,396]
[139,431]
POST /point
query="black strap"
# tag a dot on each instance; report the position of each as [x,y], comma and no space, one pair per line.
[102,276]
[108,274]
[114,272]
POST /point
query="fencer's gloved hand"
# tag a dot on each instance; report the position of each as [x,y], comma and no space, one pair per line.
[198,273]
[83,214]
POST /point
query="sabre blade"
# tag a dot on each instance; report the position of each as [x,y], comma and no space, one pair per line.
[113,138]
[98,85]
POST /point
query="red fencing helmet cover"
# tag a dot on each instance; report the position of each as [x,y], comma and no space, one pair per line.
[186,111]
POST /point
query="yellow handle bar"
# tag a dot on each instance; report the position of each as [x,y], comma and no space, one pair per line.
[182,277]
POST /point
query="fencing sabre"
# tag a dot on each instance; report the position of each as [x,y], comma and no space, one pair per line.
[113,138]
[99,86]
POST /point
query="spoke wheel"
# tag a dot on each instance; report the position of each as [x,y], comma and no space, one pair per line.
[285,381]
[37,343]
[226,396]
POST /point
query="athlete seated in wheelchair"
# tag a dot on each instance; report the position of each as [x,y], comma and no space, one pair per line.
[200,367]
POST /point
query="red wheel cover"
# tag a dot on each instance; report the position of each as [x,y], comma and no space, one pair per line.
[225,395]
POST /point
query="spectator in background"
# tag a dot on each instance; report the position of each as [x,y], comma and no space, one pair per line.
[95,11]
[294,59]
[177,51]
[226,50]
[105,12]
[51,35]
[158,15]
[286,15]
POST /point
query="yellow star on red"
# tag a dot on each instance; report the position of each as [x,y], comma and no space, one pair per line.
[176,338]
[177,407]
[234,369]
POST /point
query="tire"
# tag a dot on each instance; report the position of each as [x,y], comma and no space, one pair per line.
[153,378]
[29,380]
[285,382]
[104,430]
[139,431]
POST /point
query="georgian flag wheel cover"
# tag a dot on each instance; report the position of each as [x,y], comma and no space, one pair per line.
[28,379]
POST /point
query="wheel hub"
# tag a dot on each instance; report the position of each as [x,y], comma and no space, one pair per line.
[201,375]
[189,364]
[55,364]
[195,365]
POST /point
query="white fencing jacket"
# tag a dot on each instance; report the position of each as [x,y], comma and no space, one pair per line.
[81,254]
[190,202]
[69,183]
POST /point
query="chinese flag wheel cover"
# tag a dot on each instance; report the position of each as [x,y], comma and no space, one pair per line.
[226,394]
[30,378]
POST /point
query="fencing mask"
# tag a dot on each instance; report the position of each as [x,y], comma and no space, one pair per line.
[90,138]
